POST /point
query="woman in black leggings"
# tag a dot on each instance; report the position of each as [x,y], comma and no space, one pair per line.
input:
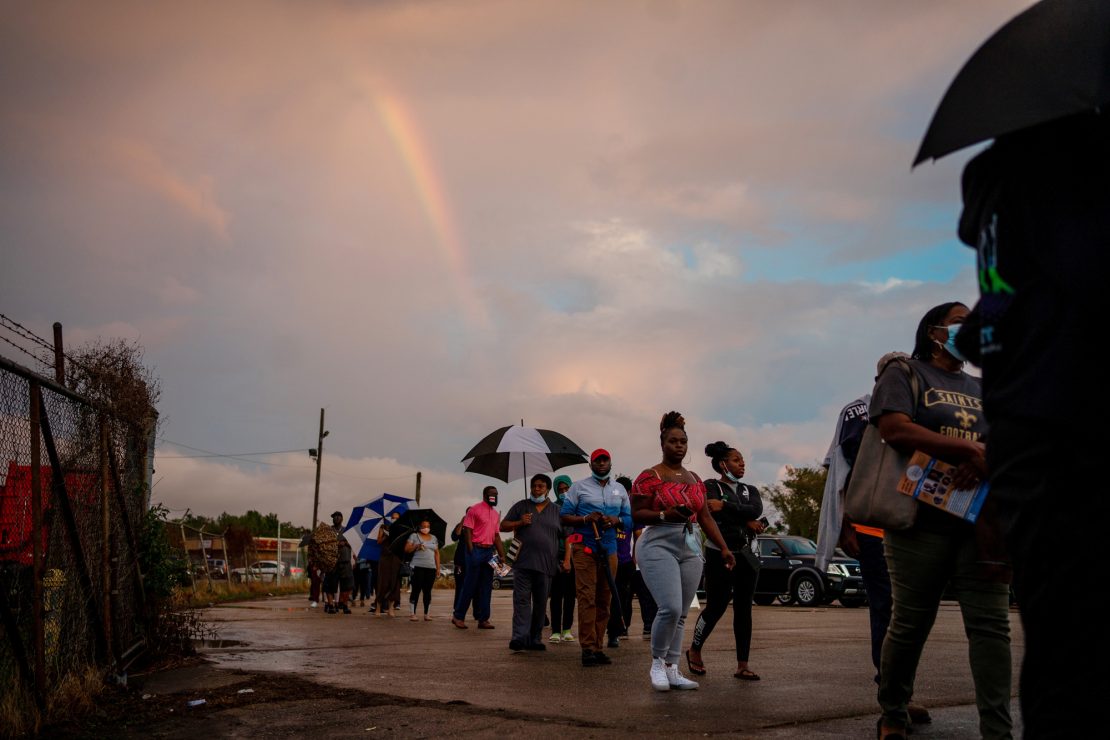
[736,507]
[562,584]
[424,548]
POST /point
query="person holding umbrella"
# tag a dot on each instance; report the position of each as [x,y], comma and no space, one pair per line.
[389,569]
[595,507]
[424,548]
[670,499]
[1035,211]
[535,523]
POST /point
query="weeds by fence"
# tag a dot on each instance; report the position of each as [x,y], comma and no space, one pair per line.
[74,488]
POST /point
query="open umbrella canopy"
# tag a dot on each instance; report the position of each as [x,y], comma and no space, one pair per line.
[515,452]
[1051,61]
[409,522]
[365,521]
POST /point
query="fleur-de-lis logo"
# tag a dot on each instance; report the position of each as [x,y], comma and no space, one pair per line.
[966,419]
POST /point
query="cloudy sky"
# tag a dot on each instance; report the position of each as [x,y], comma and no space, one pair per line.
[437,218]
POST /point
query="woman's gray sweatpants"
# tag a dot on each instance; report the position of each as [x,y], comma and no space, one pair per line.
[671,571]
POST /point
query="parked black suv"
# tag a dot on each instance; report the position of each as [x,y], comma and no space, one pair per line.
[788,572]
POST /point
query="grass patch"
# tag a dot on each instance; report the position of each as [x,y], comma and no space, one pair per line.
[210,593]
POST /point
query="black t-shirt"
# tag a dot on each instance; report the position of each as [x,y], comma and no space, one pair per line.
[1037,210]
[949,404]
[540,539]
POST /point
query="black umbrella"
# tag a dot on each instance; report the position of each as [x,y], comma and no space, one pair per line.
[409,522]
[515,452]
[1051,61]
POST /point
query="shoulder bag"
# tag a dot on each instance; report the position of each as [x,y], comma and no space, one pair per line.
[872,498]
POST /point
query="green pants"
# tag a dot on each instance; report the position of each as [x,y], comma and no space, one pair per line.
[922,565]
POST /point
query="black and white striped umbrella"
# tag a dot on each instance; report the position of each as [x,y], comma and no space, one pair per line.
[515,452]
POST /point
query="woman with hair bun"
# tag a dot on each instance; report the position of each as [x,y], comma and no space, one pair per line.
[669,499]
[736,507]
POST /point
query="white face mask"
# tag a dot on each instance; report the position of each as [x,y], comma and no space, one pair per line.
[425,530]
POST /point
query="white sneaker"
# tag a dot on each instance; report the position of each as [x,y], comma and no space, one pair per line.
[677,680]
[312,605]
[659,680]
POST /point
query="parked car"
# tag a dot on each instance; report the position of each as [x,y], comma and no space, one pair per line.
[505,581]
[788,573]
[217,568]
[266,571]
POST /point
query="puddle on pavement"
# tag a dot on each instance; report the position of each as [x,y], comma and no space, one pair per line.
[264,607]
[216,644]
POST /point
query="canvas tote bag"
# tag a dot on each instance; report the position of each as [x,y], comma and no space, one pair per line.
[872,498]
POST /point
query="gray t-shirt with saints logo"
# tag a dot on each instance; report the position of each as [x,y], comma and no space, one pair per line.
[950,404]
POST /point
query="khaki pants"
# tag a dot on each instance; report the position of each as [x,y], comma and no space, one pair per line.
[592,590]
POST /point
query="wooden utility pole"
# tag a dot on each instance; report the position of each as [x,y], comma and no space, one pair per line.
[59,355]
[418,474]
[319,456]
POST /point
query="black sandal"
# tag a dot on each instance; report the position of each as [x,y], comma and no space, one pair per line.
[698,669]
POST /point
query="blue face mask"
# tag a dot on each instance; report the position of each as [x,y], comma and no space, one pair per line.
[950,344]
[538,499]
[600,478]
[731,477]
[559,499]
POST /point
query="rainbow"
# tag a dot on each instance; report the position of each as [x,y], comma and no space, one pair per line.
[415,153]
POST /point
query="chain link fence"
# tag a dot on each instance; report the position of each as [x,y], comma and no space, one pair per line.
[74,487]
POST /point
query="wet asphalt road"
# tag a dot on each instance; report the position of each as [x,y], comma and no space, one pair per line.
[817,675]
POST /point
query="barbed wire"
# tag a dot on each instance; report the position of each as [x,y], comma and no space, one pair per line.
[18,328]
[25,351]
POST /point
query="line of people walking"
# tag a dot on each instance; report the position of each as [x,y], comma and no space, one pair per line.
[604,540]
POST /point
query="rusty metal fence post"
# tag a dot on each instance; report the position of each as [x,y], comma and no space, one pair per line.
[106,536]
[38,631]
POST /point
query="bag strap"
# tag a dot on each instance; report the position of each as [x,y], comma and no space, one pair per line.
[915,383]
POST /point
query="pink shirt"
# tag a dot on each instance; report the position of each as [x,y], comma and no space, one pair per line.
[483,521]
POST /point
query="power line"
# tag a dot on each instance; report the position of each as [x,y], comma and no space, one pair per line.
[229,454]
[362,477]
[242,457]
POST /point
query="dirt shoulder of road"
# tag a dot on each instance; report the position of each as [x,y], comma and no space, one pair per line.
[259,705]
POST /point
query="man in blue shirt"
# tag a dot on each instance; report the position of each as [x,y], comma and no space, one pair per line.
[595,507]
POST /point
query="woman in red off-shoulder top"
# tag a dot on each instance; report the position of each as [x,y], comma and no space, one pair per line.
[669,499]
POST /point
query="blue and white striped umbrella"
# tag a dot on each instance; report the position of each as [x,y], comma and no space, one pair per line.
[366,521]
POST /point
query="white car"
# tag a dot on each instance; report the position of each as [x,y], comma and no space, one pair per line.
[266,571]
